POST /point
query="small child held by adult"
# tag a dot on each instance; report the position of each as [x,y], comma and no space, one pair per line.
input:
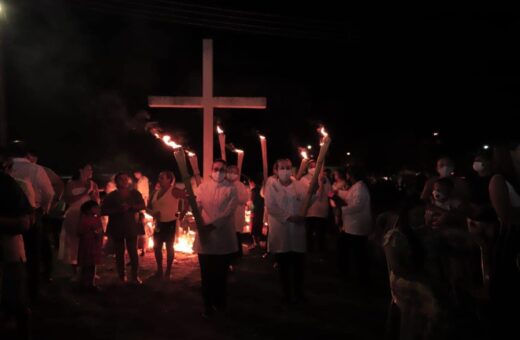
[90,232]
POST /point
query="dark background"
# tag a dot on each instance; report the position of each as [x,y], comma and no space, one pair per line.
[381,80]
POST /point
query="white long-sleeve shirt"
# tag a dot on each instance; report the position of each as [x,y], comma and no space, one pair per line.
[240,212]
[283,202]
[357,218]
[36,175]
[217,203]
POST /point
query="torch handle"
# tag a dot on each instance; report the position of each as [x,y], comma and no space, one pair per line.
[314,181]
[301,170]
[263,144]
[222,140]
[186,179]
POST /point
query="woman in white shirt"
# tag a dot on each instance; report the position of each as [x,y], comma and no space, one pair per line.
[164,207]
[287,238]
[357,223]
[216,241]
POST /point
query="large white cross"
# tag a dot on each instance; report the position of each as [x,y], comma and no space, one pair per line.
[208,103]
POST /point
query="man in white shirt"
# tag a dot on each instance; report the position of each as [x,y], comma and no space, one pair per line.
[357,224]
[23,168]
[243,198]
[317,217]
[286,239]
[216,241]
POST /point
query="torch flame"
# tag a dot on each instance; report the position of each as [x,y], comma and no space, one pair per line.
[323,133]
[168,141]
[219,130]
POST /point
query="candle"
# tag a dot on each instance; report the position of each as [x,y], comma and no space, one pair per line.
[324,146]
[194,162]
[303,164]
[263,144]
[222,141]
[240,160]
[180,157]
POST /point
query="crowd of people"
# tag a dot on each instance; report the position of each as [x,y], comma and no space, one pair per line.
[450,242]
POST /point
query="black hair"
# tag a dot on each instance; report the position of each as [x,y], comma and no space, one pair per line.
[87,206]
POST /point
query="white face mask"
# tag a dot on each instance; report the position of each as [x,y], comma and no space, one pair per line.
[445,171]
[438,196]
[312,171]
[218,176]
[284,175]
[232,177]
[478,166]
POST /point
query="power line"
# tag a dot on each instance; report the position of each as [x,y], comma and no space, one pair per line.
[151,14]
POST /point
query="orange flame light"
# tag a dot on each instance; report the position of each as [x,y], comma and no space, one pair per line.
[304,153]
[323,133]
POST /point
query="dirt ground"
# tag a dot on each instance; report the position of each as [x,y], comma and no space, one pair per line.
[172,309]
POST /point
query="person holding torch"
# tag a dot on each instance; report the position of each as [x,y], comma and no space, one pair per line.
[216,239]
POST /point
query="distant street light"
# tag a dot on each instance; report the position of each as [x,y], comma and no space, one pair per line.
[435,134]
[485,147]
[348,153]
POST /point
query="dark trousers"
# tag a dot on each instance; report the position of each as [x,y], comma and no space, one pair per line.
[14,296]
[213,273]
[33,250]
[352,255]
[316,228]
[239,253]
[291,268]
[131,248]
[47,247]
[87,275]
[166,236]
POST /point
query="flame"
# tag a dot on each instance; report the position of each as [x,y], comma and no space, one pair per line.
[219,130]
[239,151]
[166,139]
[183,240]
[323,133]
[303,153]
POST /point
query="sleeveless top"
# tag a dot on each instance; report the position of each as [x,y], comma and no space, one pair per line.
[166,204]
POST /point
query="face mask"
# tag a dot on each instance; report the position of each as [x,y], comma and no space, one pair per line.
[478,166]
[312,171]
[284,175]
[445,171]
[438,196]
[232,177]
[218,176]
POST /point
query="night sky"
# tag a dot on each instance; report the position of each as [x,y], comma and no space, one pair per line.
[381,80]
